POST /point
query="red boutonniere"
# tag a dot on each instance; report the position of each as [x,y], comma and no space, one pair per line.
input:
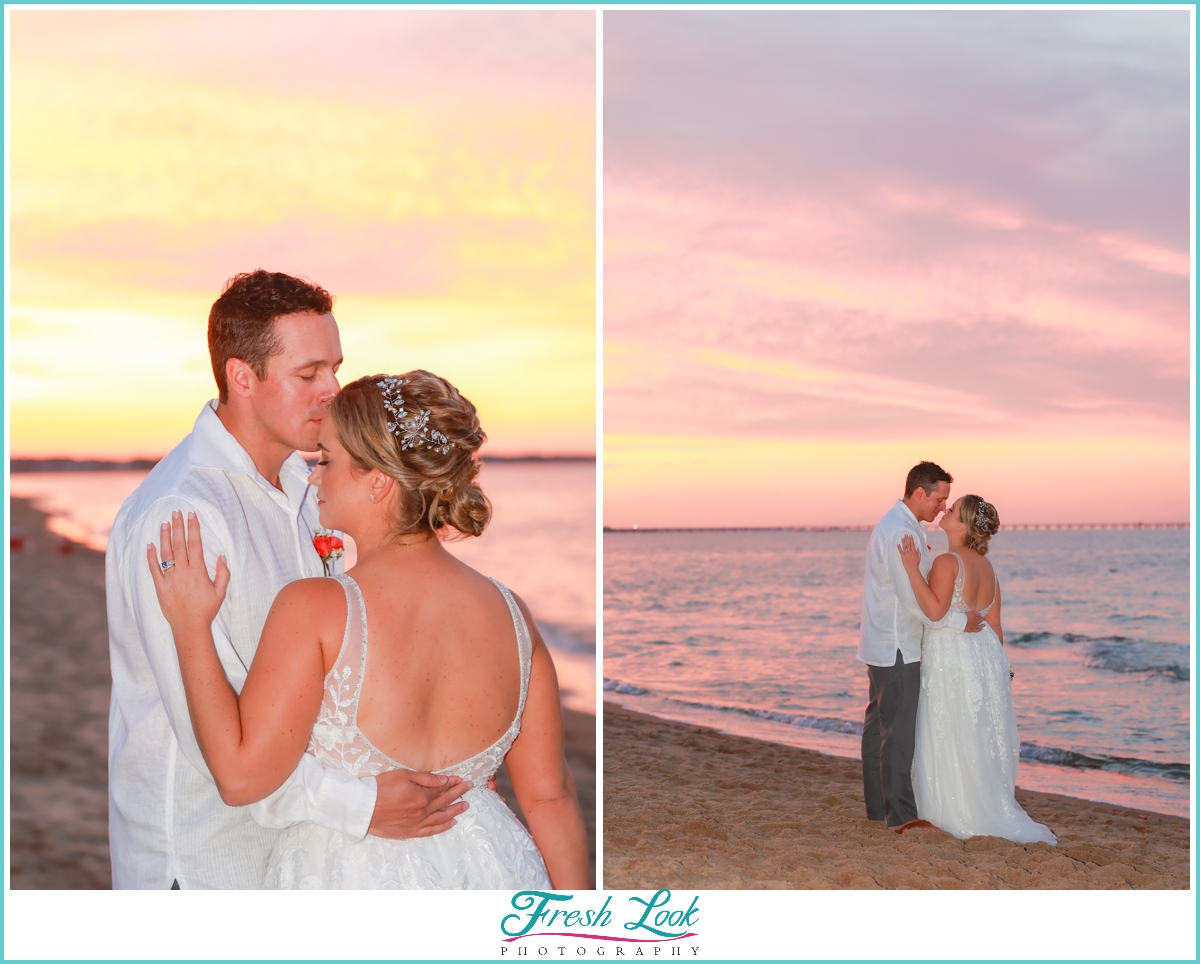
[328,546]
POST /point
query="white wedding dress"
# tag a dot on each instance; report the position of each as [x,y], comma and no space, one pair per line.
[488,848]
[965,764]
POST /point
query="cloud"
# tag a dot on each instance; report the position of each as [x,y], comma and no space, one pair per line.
[956,274]
[377,58]
[999,326]
[860,228]
[437,166]
[1052,108]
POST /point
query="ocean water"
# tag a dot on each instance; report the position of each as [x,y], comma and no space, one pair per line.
[755,632]
[541,544]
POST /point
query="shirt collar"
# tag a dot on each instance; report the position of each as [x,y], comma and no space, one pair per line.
[908,513]
[293,476]
[213,447]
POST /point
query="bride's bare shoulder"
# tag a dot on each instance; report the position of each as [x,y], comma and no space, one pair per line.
[945,561]
[319,598]
[307,609]
[974,560]
[521,605]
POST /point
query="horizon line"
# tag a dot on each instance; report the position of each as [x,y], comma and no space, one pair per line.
[870,528]
[22,465]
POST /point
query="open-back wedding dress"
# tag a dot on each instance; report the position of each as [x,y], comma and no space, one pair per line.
[965,764]
[488,848]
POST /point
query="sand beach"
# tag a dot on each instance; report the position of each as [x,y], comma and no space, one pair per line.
[60,687]
[58,742]
[690,807]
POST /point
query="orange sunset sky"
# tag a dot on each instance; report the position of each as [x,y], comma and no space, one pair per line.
[435,170]
[840,242]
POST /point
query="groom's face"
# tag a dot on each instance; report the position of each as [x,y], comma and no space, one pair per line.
[929,505]
[301,380]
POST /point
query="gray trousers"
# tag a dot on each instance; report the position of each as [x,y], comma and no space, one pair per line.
[888,741]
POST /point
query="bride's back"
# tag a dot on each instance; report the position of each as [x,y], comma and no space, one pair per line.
[979,579]
[442,678]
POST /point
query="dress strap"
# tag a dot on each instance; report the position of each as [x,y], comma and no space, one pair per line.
[956,599]
[524,644]
[351,661]
[958,585]
[995,592]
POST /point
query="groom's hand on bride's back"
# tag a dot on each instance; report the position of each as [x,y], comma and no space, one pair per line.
[974,621]
[416,804]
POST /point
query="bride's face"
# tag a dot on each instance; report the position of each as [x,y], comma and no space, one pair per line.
[341,491]
[950,521]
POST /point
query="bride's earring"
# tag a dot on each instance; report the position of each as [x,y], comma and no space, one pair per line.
[372,496]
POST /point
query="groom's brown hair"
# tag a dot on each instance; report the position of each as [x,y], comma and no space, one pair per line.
[241,323]
[925,475]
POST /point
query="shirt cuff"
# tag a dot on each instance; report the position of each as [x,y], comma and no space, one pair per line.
[349,801]
[329,797]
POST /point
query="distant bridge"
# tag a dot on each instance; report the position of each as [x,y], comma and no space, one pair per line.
[1003,526]
[1096,525]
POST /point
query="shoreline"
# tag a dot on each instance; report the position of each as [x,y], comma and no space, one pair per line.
[59,693]
[690,807]
[1034,775]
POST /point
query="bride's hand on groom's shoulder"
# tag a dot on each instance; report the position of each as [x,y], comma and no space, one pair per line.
[185,592]
[909,554]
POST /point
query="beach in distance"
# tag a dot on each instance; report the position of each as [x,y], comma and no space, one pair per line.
[756,632]
[733,733]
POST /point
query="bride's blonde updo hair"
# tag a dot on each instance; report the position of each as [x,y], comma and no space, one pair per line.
[982,522]
[429,450]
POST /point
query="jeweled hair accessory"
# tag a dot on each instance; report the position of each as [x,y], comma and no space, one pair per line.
[982,523]
[411,429]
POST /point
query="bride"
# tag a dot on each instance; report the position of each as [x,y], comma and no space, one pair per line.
[965,765]
[414,661]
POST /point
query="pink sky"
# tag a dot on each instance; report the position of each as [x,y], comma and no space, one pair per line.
[435,170]
[839,242]
[512,71]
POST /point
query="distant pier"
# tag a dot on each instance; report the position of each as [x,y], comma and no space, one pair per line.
[864,528]
[1097,525]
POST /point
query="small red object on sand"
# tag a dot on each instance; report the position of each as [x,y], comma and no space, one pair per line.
[912,825]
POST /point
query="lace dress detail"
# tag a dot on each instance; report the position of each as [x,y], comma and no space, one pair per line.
[965,764]
[488,848]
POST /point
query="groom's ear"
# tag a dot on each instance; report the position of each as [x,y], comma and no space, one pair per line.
[239,376]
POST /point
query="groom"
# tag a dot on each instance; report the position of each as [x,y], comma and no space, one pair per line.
[890,645]
[275,353]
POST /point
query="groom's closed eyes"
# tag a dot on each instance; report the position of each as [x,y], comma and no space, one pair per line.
[308,371]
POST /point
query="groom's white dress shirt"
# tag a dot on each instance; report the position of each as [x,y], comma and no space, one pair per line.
[166,820]
[891,618]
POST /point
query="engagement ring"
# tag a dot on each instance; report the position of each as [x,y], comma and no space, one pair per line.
[167,564]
